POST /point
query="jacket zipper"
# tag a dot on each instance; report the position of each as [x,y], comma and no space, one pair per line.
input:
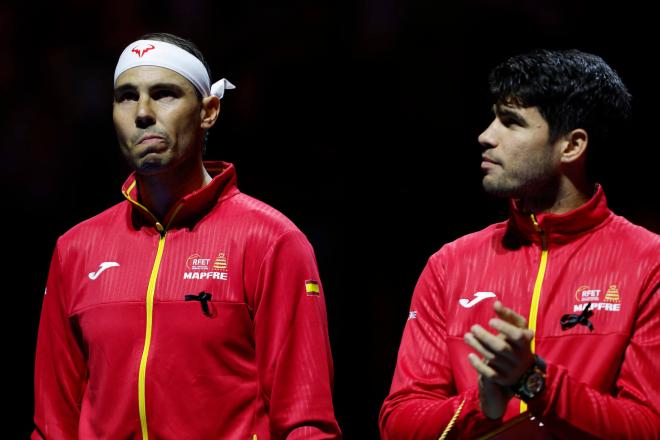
[536,295]
[151,290]
[147,339]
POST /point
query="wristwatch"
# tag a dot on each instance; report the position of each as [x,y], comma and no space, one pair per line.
[532,383]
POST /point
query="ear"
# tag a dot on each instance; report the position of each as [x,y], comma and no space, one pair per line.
[574,146]
[209,112]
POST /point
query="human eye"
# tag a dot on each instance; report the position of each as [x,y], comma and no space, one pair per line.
[508,122]
[126,95]
[164,94]
[511,120]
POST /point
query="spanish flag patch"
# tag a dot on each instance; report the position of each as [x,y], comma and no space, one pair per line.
[312,288]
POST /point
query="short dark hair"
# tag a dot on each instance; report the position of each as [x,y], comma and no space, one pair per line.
[571,89]
[184,44]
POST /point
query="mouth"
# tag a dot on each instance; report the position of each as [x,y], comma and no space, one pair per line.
[149,139]
[487,162]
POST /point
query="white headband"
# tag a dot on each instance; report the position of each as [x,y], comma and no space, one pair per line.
[161,54]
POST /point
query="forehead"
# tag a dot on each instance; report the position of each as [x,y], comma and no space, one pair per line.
[145,76]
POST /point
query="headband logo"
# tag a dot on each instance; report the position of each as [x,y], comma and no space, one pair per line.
[141,52]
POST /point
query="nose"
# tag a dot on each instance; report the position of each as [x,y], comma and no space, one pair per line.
[144,116]
[487,138]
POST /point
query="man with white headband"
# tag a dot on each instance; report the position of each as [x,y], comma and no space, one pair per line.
[189,310]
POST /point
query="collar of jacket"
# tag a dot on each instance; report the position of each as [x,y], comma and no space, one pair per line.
[561,228]
[190,208]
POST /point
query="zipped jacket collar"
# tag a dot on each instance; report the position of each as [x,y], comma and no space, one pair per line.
[190,208]
[560,228]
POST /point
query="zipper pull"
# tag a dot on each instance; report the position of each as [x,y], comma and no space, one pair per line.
[540,231]
[536,223]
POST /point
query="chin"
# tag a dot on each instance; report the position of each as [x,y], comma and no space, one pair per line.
[152,165]
[497,189]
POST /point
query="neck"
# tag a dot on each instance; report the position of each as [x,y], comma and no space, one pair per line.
[159,192]
[566,196]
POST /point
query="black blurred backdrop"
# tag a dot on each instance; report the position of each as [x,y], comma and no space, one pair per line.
[358,120]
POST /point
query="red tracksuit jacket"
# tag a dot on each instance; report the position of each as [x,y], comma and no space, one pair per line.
[122,353]
[599,384]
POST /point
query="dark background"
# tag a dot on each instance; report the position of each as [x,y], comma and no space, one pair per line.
[358,120]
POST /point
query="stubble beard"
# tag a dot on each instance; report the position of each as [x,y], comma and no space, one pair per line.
[531,186]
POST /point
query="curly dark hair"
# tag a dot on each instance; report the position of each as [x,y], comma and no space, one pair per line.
[571,89]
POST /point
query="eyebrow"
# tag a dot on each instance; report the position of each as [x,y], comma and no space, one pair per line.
[505,112]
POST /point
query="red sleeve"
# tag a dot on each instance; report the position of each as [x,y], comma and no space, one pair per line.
[571,409]
[60,369]
[292,344]
[423,397]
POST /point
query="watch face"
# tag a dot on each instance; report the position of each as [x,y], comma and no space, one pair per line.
[534,383]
